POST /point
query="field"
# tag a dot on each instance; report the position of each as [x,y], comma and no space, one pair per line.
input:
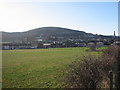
[38,68]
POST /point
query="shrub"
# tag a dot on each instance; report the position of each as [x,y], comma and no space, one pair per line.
[109,57]
[92,72]
[86,73]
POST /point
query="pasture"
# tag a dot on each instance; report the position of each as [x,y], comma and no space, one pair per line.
[38,68]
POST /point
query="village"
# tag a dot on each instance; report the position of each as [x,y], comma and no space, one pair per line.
[58,44]
[51,41]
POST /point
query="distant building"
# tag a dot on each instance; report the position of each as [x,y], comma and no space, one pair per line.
[10,46]
[81,44]
[46,45]
[90,44]
[22,46]
[116,43]
[7,46]
[99,44]
[39,40]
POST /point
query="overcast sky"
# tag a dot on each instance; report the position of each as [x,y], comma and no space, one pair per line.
[91,17]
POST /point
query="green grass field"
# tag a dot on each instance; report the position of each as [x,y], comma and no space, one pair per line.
[38,68]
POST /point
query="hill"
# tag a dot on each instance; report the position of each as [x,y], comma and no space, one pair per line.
[50,34]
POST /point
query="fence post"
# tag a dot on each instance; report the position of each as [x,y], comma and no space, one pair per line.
[118,71]
[111,80]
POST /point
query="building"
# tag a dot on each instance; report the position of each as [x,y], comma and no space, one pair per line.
[10,46]
[7,46]
[99,44]
[116,43]
[46,45]
[91,44]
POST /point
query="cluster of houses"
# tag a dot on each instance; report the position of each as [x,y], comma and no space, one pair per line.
[10,46]
[40,43]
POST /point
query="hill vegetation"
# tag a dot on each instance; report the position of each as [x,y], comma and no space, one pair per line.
[51,34]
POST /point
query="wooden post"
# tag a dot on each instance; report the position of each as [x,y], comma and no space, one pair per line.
[118,71]
[111,80]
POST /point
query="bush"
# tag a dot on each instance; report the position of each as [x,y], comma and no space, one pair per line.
[92,72]
[86,73]
[109,57]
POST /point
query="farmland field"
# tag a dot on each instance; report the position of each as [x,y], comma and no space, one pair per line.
[38,68]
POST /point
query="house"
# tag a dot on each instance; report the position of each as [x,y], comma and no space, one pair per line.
[46,45]
[91,44]
[10,46]
[80,44]
[99,44]
[22,46]
[116,43]
[7,46]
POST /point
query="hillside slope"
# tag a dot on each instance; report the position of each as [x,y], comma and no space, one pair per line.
[47,33]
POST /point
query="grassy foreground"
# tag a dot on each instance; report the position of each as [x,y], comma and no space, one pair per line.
[38,68]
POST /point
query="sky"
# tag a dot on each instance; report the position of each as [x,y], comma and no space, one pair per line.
[91,17]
